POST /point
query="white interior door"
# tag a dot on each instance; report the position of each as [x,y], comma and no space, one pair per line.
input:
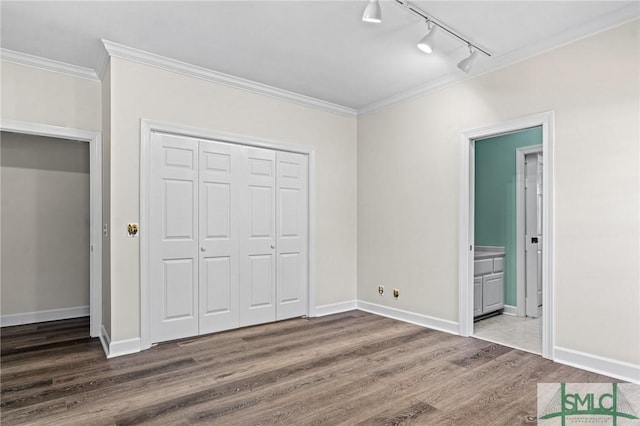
[257,238]
[174,237]
[533,234]
[291,229]
[228,236]
[539,228]
[219,237]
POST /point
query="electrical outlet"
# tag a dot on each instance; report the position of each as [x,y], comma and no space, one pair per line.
[380,290]
[396,293]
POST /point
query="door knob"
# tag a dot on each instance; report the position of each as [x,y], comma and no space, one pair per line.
[203,248]
[273,246]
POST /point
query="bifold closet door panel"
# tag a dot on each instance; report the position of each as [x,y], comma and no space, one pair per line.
[219,236]
[228,236]
[291,227]
[173,231]
[257,237]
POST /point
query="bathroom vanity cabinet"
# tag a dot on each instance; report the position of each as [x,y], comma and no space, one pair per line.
[488,280]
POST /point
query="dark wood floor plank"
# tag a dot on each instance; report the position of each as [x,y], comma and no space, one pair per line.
[286,399]
[350,368]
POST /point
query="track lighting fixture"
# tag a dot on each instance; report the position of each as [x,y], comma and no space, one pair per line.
[466,64]
[426,43]
[373,12]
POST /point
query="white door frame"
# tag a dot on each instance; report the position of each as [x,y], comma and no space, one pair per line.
[520,225]
[146,129]
[466,224]
[95,201]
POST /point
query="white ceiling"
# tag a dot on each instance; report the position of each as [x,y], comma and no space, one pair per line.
[320,49]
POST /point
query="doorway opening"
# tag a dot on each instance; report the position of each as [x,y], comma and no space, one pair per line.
[91,239]
[508,239]
[493,255]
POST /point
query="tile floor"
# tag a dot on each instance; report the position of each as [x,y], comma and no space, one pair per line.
[512,331]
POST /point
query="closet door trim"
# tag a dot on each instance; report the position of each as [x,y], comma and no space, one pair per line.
[147,127]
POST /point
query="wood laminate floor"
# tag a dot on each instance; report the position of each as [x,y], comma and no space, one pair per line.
[347,369]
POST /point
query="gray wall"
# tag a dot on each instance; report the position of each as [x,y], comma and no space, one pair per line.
[45,223]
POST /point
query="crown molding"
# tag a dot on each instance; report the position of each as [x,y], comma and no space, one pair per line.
[124,52]
[48,64]
[603,23]
[410,94]
[103,61]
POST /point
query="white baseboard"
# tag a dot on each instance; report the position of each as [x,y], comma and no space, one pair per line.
[42,316]
[105,340]
[597,364]
[335,308]
[118,347]
[413,318]
[124,347]
[510,310]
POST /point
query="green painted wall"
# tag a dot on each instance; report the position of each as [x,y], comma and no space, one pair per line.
[495,197]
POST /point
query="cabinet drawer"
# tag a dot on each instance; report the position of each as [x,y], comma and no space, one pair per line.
[482,266]
[498,264]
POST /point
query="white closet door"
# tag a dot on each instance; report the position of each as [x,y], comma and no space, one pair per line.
[291,228]
[174,237]
[257,238]
[219,237]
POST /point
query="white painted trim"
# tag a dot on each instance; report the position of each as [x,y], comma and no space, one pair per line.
[124,347]
[335,308]
[103,61]
[42,316]
[124,52]
[197,132]
[410,317]
[520,226]
[105,340]
[95,209]
[597,364]
[312,266]
[48,64]
[149,126]
[116,348]
[603,23]
[465,265]
[466,239]
[145,243]
[510,310]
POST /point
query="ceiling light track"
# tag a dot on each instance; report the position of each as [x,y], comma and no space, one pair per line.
[430,19]
[373,14]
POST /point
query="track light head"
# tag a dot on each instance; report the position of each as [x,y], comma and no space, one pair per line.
[426,43]
[373,12]
[466,64]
